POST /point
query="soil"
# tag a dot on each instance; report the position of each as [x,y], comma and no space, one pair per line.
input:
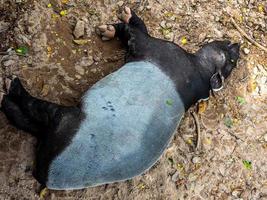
[231,161]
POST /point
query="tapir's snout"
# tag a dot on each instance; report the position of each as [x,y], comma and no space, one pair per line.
[232,55]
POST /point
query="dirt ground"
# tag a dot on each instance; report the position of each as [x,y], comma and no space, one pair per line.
[231,162]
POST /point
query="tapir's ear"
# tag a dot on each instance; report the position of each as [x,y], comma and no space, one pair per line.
[216,82]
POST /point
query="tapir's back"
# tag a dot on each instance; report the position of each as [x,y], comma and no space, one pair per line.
[130,117]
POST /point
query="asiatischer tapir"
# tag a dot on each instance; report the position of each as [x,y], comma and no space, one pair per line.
[125,120]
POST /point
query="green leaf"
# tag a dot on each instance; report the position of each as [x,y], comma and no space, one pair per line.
[22,50]
[240,100]
[228,122]
[169,102]
[171,160]
[247,164]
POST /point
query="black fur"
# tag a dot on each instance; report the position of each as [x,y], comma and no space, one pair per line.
[190,72]
[55,125]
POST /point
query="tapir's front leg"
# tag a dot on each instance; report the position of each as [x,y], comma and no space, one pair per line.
[121,30]
[132,32]
[129,17]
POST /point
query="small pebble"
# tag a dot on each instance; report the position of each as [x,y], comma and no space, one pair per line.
[148,7]
[236,193]
[196,160]
[94,70]
[120,3]
[9,63]
[163,24]
[79,29]
[80,69]
[169,36]
[246,51]
[175,176]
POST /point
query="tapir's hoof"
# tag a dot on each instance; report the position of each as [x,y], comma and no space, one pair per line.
[106,32]
[125,15]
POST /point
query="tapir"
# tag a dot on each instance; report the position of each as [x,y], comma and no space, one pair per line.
[124,121]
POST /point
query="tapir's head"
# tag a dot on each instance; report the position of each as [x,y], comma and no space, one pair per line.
[218,58]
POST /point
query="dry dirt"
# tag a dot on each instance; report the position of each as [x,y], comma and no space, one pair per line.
[231,162]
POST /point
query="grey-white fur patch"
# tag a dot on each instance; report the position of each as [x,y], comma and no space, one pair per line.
[131,115]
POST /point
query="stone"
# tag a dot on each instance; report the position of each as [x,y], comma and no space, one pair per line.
[163,24]
[45,90]
[120,3]
[9,63]
[80,69]
[4,26]
[196,160]
[87,61]
[246,51]
[236,193]
[202,36]
[94,70]
[79,29]
[169,36]
[97,57]
[175,176]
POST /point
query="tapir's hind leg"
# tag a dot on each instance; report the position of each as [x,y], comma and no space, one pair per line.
[38,110]
[35,111]
[16,117]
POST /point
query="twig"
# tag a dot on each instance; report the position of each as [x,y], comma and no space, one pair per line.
[198,129]
[246,35]
[235,136]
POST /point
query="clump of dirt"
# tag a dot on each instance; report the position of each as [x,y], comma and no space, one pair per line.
[231,161]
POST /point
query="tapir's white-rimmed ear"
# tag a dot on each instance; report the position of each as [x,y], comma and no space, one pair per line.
[216,82]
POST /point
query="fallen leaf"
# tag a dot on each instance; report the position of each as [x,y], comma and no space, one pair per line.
[180,167]
[189,141]
[169,14]
[22,50]
[184,40]
[142,186]
[261,8]
[169,102]
[43,193]
[252,85]
[228,122]
[207,141]
[81,42]
[63,12]
[55,16]
[49,49]
[240,100]
[166,31]
[202,106]
[247,164]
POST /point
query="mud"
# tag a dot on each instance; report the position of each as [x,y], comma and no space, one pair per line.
[233,126]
